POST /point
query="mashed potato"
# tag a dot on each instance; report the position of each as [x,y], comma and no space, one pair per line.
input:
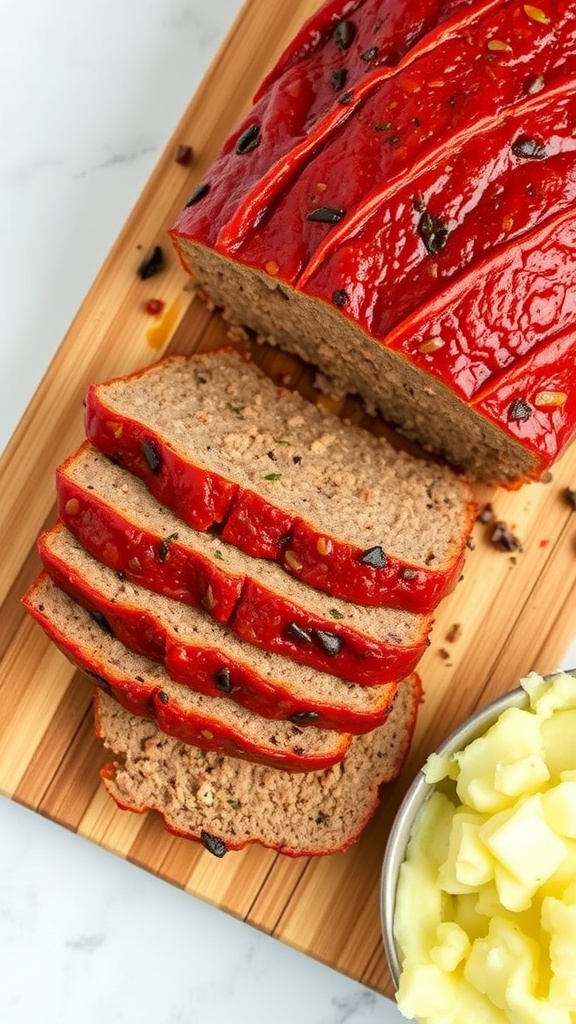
[485,915]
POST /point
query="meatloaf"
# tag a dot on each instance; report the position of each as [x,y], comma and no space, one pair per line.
[398,208]
[226,803]
[215,440]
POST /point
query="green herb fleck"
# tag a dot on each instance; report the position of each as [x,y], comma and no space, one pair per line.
[218,554]
[233,408]
[234,802]
[273,476]
[165,545]
[280,440]
[336,614]
[383,127]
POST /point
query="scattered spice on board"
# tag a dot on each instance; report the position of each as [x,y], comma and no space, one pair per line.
[152,265]
[570,495]
[485,513]
[183,154]
[503,539]
[454,633]
[154,307]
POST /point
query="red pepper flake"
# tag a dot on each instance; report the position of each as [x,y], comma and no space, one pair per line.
[503,539]
[544,542]
[183,154]
[152,265]
[444,654]
[154,306]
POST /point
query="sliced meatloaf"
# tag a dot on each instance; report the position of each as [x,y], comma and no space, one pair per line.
[412,235]
[226,804]
[200,653]
[121,524]
[143,687]
[215,440]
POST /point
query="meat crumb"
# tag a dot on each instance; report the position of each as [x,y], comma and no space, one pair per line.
[503,539]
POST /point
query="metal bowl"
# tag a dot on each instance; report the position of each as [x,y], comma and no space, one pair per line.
[419,791]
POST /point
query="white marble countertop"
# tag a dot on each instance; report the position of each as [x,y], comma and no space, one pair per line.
[90,93]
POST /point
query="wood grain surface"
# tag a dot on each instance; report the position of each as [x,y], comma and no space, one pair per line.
[513,612]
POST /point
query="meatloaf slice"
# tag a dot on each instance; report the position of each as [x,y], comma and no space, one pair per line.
[202,654]
[226,804]
[144,688]
[215,440]
[115,518]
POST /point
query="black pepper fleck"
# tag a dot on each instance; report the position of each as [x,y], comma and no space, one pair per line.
[340,297]
[369,54]
[570,495]
[163,697]
[301,717]
[346,98]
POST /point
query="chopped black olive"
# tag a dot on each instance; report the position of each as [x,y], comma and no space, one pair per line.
[223,680]
[299,717]
[152,456]
[374,557]
[152,265]
[213,844]
[519,410]
[198,194]
[326,214]
[433,232]
[296,632]
[102,683]
[344,34]
[370,54]
[570,495]
[296,459]
[346,98]
[284,539]
[338,78]
[529,149]
[249,140]
[329,642]
[340,297]
[163,697]
[102,622]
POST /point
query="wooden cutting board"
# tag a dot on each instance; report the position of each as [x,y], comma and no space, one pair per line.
[509,614]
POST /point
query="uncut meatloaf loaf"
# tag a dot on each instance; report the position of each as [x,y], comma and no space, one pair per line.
[218,442]
[226,804]
[398,208]
[144,688]
[115,518]
[202,654]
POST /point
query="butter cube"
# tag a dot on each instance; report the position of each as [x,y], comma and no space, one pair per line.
[560,808]
[469,863]
[482,760]
[523,842]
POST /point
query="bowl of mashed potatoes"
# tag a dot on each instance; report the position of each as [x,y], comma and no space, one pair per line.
[478,891]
